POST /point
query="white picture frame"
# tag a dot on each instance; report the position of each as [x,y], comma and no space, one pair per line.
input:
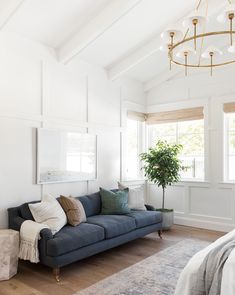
[65,156]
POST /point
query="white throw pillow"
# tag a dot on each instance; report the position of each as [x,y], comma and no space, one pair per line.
[135,198]
[49,212]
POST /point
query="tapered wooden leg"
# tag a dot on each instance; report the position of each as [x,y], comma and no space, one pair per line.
[56,273]
[160,233]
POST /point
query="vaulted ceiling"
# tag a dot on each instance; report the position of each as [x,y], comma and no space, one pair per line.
[122,36]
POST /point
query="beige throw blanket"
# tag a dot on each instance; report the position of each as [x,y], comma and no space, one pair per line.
[29,237]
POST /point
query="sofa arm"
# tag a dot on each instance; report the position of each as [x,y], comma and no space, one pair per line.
[16,223]
[46,234]
[150,207]
[14,219]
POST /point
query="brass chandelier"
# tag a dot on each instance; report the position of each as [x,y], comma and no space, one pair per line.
[184,50]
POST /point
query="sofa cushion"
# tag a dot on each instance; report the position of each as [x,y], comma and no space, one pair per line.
[145,218]
[25,211]
[91,204]
[70,238]
[114,225]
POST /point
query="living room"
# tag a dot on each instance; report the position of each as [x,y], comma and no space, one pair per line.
[118,146]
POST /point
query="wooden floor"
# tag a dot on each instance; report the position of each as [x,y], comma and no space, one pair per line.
[37,279]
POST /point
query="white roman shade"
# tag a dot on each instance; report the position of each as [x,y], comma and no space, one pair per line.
[175,116]
[229,107]
[137,116]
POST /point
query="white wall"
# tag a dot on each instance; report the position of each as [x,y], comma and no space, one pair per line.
[36,91]
[209,204]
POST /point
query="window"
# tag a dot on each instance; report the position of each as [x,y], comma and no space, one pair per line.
[230,146]
[188,133]
[133,148]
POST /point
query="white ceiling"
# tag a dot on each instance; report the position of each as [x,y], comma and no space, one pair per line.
[153,65]
[142,23]
[52,22]
[122,36]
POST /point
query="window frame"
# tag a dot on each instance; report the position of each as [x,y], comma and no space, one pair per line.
[226,154]
[193,179]
[140,149]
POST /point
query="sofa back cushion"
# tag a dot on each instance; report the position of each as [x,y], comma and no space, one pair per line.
[25,212]
[91,204]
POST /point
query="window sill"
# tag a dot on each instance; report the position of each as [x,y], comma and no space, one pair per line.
[198,181]
[194,180]
[133,180]
[227,182]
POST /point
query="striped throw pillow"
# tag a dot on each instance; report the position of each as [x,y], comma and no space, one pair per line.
[73,209]
[49,212]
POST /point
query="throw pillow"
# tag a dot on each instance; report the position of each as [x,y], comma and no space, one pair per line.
[114,202]
[49,212]
[135,198]
[73,209]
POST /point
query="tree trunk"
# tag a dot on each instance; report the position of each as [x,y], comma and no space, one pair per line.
[163,197]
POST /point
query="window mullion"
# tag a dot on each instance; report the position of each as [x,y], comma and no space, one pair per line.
[177,133]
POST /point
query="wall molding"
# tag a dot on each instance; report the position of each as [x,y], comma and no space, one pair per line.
[171,106]
[60,121]
[205,224]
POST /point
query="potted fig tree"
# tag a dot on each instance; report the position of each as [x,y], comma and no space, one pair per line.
[162,166]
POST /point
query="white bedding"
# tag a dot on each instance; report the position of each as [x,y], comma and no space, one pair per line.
[186,279]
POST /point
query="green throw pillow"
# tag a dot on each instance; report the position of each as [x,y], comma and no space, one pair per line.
[114,202]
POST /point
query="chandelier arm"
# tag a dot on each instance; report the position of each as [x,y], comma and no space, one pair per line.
[185,35]
[198,5]
[211,58]
[195,34]
[204,30]
[231,29]
[186,64]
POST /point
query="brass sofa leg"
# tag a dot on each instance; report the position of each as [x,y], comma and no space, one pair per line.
[160,233]
[56,273]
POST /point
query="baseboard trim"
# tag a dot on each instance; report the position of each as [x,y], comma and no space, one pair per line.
[205,224]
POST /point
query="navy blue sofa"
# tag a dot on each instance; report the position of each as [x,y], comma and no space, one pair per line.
[99,233]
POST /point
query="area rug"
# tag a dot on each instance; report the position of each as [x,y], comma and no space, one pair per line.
[155,275]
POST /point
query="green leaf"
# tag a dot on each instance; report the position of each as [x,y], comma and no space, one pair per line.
[161,164]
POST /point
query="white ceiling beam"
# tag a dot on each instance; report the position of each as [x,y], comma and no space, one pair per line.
[134,58]
[9,11]
[143,52]
[95,28]
[161,78]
